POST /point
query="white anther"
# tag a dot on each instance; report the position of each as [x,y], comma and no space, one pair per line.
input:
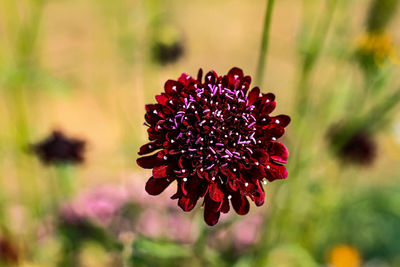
[229,197]
[257,163]
[155,111]
[277,121]
[246,184]
[273,139]
[213,179]
[183,171]
[268,167]
[265,182]
[165,157]
[184,179]
[234,169]
[183,151]
[201,169]
[172,141]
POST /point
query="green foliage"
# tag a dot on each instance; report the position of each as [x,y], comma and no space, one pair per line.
[147,252]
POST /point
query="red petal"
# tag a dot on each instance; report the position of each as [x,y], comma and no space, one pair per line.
[215,193]
[259,196]
[169,85]
[235,75]
[268,108]
[210,77]
[148,148]
[162,99]
[261,155]
[148,162]
[283,120]
[253,95]
[240,203]
[157,186]
[211,213]
[199,75]
[160,171]
[279,152]
[275,172]
[225,205]
[187,203]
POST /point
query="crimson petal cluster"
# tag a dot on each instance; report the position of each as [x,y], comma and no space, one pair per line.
[217,140]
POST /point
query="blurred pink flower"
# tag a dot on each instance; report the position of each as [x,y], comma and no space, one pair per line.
[246,232]
[98,205]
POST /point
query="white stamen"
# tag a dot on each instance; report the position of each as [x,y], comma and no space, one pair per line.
[165,157]
[229,197]
[184,179]
[246,184]
[268,167]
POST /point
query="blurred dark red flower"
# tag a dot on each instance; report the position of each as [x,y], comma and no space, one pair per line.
[58,148]
[216,140]
[360,149]
[9,253]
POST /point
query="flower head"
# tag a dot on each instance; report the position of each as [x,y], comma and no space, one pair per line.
[58,148]
[168,46]
[216,140]
[358,147]
[344,256]
[99,205]
[9,252]
[374,49]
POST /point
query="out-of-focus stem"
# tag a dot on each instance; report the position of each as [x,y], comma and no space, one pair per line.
[264,43]
[311,56]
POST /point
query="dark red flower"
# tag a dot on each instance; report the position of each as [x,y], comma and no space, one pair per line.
[359,149]
[58,148]
[216,140]
[9,252]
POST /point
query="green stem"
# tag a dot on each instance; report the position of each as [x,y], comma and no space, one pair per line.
[264,43]
[312,54]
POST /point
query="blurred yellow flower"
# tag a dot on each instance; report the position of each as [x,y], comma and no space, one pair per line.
[344,256]
[378,46]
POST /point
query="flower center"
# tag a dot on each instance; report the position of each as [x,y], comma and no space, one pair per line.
[216,126]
